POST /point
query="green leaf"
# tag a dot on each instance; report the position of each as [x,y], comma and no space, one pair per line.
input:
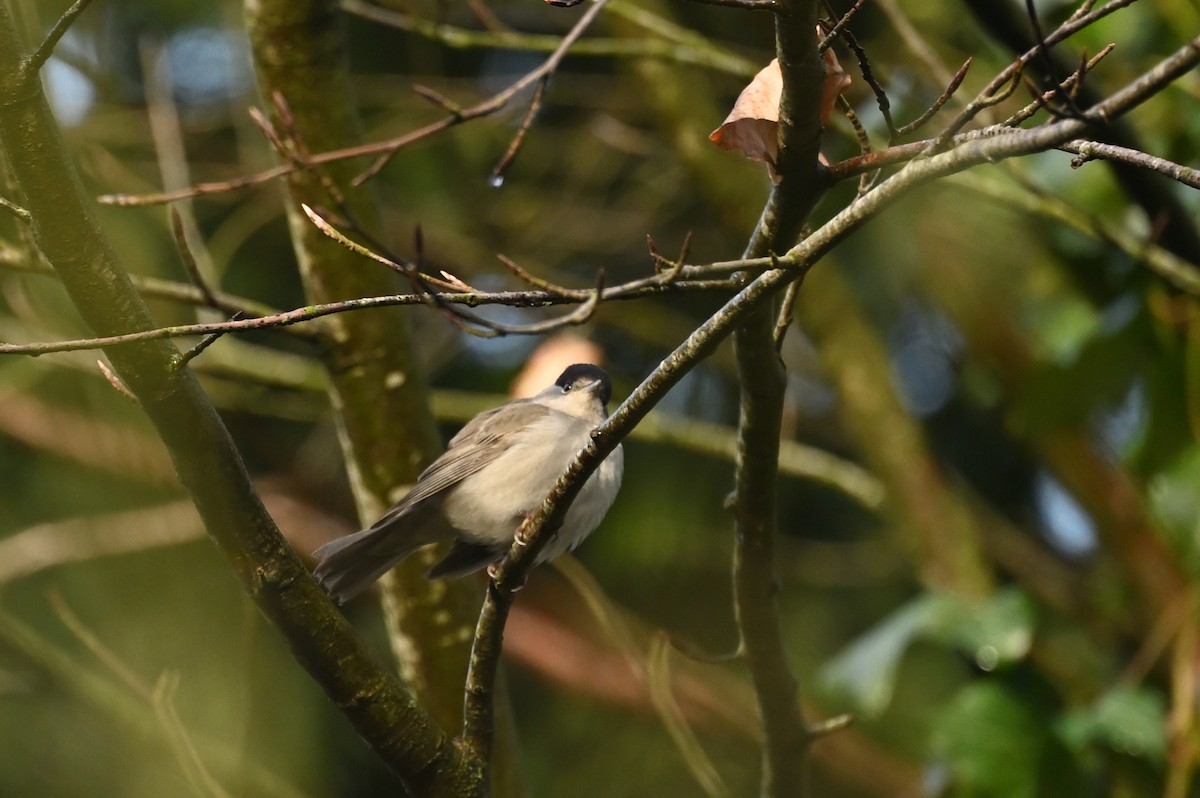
[995,633]
[1127,719]
[865,671]
[1176,502]
[991,742]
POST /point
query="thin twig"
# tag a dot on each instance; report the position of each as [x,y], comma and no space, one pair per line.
[955,82]
[409,271]
[670,270]
[535,104]
[159,698]
[836,29]
[662,695]
[387,148]
[827,727]
[864,66]
[46,48]
[290,146]
[784,322]
[1073,81]
[532,279]
[1010,75]
[189,259]
[15,210]
[694,652]
[1088,150]
[468,322]
[1073,110]
[437,98]
[496,102]
[648,286]
[864,140]
[205,343]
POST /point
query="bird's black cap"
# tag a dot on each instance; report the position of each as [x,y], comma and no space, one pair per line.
[584,373]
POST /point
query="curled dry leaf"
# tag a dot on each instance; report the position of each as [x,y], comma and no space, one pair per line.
[752,126]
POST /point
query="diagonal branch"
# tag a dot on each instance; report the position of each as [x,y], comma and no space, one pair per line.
[204,455]
[46,48]
[510,574]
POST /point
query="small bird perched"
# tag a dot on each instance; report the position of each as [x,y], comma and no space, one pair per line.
[494,474]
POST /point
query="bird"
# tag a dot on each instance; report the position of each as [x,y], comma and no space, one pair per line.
[493,475]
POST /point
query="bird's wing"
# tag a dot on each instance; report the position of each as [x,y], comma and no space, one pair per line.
[479,443]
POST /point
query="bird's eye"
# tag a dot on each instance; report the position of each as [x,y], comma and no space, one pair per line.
[566,388]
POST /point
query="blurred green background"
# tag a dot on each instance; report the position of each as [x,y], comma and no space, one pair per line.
[995,344]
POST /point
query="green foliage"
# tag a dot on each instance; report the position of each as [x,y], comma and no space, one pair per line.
[995,634]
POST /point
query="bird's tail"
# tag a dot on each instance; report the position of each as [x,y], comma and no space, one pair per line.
[348,566]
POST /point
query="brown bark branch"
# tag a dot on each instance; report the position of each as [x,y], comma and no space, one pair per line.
[205,458]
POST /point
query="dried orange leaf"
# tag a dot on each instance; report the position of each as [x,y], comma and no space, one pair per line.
[751,125]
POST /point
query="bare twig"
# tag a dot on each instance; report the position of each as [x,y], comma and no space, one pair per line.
[648,286]
[171,155]
[14,209]
[463,318]
[1089,150]
[827,727]
[955,82]
[215,187]
[864,141]
[536,282]
[1044,54]
[881,98]
[46,48]
[670,270]
[189,259]
[1010,75]
[205,343]
[496,102]
[437,98]
[832,32]
[784,321]
[514,147]
[386,149]
[1073,82]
